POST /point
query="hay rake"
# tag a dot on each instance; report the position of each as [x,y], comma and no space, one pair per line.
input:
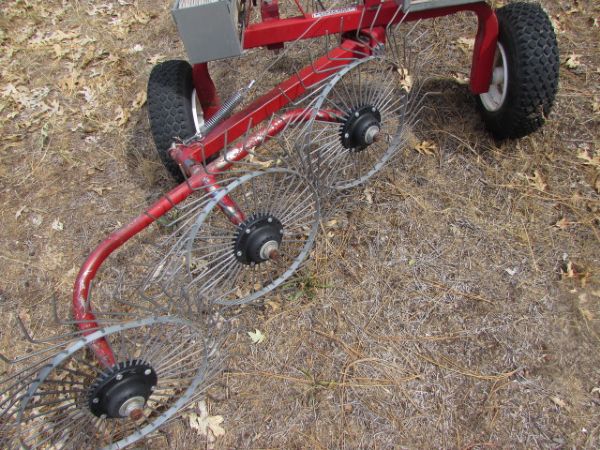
[254,185]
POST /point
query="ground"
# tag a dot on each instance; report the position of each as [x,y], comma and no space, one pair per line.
[453,302]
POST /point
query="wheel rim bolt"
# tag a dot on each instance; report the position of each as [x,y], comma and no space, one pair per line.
[119,377]
[147,372]
[96,400]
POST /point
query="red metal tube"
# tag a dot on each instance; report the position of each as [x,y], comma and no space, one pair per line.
[82,310]
[200,179]
[291,89]
[485,48]
[267,33]
[205,90]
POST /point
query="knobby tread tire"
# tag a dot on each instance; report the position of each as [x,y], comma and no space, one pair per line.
[170,112]
[527,35]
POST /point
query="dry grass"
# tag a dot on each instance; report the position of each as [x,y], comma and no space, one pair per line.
[454,303]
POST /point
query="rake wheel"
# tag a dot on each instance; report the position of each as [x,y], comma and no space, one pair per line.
[71,401]
[368,97]
[214,260]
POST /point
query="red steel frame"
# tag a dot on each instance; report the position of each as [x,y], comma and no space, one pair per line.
[272,32]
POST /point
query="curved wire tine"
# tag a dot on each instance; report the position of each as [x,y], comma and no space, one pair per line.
[372,26]
[30,338]
[360,22]
[31,355]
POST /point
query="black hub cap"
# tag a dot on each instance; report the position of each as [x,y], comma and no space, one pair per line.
[253,234]
[126,381]
[355,130]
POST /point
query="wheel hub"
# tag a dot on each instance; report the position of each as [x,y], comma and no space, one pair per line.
[123,391]
[258,239]
[360,128]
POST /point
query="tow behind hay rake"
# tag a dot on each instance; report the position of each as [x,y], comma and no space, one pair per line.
[239,230]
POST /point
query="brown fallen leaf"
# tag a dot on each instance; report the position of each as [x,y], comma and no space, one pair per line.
[537,181]
[140,100]
[558,402]
[426,148]
[563,223]
[122,117]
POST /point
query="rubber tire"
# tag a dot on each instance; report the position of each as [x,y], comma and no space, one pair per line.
[170,111]
[528,38]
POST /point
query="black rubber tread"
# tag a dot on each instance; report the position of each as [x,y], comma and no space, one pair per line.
[529,41]
[170,90]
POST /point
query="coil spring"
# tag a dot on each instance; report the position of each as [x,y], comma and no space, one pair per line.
[225,110]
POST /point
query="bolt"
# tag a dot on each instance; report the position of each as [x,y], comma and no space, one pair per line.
[133,408]
[96,400]
[269,250]
[374,109]
[147,372]
[347,135]
[119,377]
[280,231]
[270,219]
[371,134]
[103,416]
[248,231]
[356,114]
[152,388]
[239,253]
[136,414]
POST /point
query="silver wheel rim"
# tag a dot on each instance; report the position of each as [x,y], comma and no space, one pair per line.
[494,98]
[197,114]
[71,415]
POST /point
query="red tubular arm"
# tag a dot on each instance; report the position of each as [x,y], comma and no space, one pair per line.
[82,310]
[205,90]
[201,179]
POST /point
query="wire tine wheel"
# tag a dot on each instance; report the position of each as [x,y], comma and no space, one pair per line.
[249,238]
[376,102]
[63,397]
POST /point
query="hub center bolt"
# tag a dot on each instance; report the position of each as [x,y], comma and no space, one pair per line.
[371,134]
[270,250]
[133,408]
